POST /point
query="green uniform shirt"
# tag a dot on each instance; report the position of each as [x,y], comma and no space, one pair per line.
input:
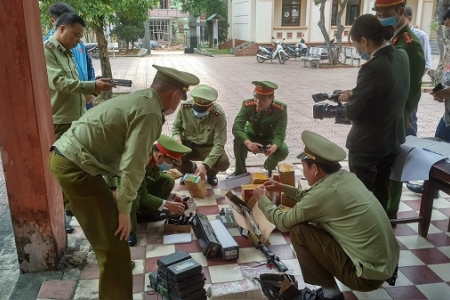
[341,205]
[152,174]
[210,130]
[269,125]
[407,40]
[66,90]
[115,138]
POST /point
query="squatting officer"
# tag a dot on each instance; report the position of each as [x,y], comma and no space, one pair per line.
[157,186]
[114,139]
[338,228]
[261,122]
[201,125]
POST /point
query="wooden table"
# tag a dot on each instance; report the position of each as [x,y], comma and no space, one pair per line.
[439,178]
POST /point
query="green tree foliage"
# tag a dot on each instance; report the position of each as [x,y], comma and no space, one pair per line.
[209,7]
[100,13]
[129,30]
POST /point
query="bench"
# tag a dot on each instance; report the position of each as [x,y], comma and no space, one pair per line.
[313,58]
[350,53]
[113,47]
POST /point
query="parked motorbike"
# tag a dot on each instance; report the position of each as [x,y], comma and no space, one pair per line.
[296,51]
[302,49]
[276,52]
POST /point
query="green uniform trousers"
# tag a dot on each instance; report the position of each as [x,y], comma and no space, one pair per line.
[95,208]
[200,153]
[321,259]
[240,153]
[145,202]
[395,195]
[59,131]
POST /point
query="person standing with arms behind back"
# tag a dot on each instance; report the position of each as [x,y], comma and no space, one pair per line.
[126,126]
[376,105]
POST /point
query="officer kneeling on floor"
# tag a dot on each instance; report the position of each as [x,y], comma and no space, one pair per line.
[337,227]
[157,185]
[201,125]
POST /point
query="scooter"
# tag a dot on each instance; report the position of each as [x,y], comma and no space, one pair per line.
[267,53]
[301,49]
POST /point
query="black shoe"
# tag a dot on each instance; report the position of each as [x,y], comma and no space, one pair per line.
[418,188]
[212,180]
[132,239]
[193,170]
[69,213]
[133,264]
[69,228]
[155,218]
[320,296]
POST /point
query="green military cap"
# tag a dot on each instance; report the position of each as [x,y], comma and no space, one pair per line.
[168,146]
[264,87]
[385,4]
[175,78]
[203,96]
[320,149]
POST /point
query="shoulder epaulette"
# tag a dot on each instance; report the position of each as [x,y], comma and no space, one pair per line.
[250,103]
[395,40]
[279,106]
[215,112]
[48,44]
[187,105]
[408,38]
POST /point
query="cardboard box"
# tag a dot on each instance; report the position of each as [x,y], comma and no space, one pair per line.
[172,228]
[247,289]
[247,191]
[286,201]
[263,224]
[259,178]
[231,183]
[275,175]
[195,185]
[287,173]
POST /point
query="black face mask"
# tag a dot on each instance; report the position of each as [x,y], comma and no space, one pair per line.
[200,109]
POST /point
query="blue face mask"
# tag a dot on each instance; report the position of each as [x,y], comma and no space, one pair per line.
[164,166]
[365,56]
[199,114]
[389,22]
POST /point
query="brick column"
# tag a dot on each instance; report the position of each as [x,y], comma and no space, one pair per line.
[26,133]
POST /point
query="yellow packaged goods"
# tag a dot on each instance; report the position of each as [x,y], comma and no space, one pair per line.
[195,185]
[287,173]
[259,178]
[247,191]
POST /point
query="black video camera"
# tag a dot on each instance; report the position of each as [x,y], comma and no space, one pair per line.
[325,110]
[263,149]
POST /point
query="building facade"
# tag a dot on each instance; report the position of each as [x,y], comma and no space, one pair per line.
[260,20]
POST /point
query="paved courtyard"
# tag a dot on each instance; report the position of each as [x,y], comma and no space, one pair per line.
[425,262]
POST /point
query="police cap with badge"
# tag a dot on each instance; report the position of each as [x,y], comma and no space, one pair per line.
[203,96]
[178,79]
[385,4]
[171,148]
[264,88]
[320,149]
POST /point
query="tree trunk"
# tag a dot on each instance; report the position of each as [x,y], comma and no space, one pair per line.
[340,28]
[321,25]
[103,54]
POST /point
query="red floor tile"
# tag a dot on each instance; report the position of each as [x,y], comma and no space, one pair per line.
[283,251]
[90,272]
[431,256]
[219,261]
[151,265]
[414,204]
[242,241]
[57,289]
[221,201]
[138,283]
[349,296]
[438,239]
[420,274]
[403,230]
[404,292]
[138,252]
[208,210]
[189,248]
[407,214]
[445,211]
[441,224]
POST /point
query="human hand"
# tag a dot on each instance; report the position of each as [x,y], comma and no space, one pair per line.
[274,186]
[442,94]
[124,226]
[201,171]
[102,84]
[345,95]
[175,207]
[252,147]
[271,150]
[115,194]
[177,198]
[259,193]
[89,98]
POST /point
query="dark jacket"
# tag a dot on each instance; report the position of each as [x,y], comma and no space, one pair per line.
[377,104]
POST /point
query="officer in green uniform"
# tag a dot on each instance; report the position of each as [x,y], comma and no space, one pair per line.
[66,89]
[337,227]
[114,139]
[391,13]
[261,122]
[201,125]
[157,186]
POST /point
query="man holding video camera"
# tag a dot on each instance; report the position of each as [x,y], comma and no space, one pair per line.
[260,127]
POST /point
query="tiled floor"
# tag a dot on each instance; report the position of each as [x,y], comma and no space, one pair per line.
[424,262]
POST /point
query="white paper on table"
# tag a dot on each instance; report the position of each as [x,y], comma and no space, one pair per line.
[177,238]
[413,163]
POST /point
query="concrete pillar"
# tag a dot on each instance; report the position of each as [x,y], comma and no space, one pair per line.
[26,134]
